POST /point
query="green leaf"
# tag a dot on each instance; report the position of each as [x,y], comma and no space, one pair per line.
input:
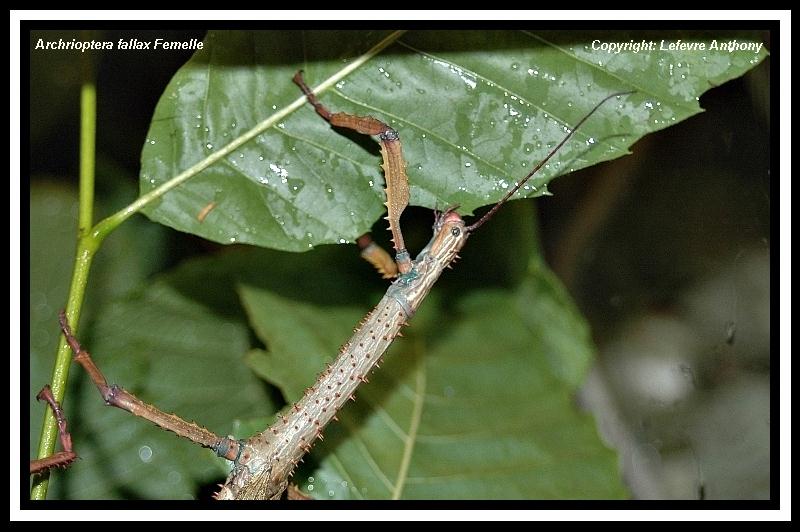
[174,352]
[475,403]
[475,111]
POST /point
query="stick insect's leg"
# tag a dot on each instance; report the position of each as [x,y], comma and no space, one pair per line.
[64,457]
[377,256]
[394,165]
[293,493]
[116,396]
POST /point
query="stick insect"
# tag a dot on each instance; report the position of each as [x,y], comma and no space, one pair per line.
[264,463]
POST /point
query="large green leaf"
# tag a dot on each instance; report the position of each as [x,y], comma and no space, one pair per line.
[475,111]
[475,403]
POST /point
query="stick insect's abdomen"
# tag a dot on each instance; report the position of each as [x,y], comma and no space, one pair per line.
[292,436]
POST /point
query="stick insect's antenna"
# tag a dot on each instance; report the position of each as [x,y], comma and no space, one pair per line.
[488,215]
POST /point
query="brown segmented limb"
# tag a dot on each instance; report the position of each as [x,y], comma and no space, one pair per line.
[394,166]
[116,396]
[60,459]
[64,457]
[377,256]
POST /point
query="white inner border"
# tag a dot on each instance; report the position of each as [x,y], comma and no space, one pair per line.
[784,230]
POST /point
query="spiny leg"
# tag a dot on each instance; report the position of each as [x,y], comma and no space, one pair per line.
[64,457]
[394,166]
[377,256]
[116,396]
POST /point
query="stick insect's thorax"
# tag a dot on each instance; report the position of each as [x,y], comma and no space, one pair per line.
[449,236]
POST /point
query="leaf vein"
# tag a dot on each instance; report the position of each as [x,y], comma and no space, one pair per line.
[416,416]
[521,98]
[428,132]
[338,465]
[600,69]
[362,447]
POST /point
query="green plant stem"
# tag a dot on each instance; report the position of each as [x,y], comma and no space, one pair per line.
[87,157]
[49,435]
[88,243]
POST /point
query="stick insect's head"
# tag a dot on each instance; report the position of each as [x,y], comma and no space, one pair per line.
[449,235]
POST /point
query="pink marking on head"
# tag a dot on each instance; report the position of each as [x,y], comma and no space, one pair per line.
[450,216]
